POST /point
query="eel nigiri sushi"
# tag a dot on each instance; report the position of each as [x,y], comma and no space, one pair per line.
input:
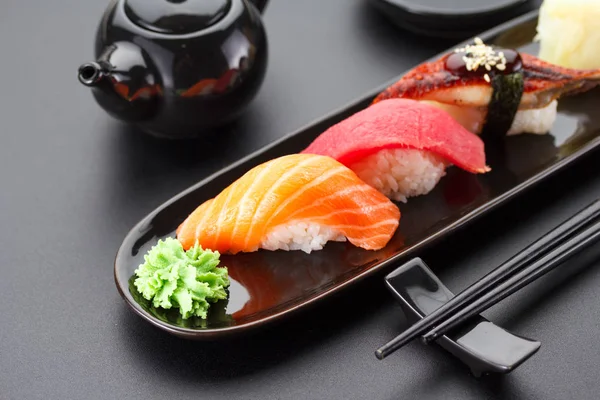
[493,89]
[294,202]
[401,147]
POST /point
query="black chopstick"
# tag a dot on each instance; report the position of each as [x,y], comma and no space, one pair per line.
[539,268]
[535,250]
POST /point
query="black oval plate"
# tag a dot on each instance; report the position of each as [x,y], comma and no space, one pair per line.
[269,285]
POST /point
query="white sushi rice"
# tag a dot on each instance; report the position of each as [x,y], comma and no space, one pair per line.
[538,121]
[300,235]
[401,173]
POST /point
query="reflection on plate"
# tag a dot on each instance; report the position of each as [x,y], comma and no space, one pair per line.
[268,285]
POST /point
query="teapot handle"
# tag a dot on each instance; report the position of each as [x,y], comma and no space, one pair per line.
[259,4]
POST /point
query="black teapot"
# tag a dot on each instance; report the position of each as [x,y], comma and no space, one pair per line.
[178,68]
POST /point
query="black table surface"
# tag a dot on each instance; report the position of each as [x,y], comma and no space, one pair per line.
[73,181]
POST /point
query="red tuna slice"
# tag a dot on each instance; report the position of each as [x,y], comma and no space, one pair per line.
[401,123]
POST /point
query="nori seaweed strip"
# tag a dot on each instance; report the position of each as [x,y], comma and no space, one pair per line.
[506,97]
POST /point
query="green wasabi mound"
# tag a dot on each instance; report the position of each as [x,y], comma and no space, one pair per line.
[188,280]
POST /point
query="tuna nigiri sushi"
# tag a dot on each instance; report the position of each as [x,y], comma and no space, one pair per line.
[493,89]
[401,147]
[294,202]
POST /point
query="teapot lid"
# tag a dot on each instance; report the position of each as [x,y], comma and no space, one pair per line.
[176,16]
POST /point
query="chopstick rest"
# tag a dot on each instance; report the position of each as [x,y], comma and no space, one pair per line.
[549,243]
[483,346]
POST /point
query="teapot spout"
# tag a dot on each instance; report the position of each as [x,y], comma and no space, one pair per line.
[123,82]
[90,74]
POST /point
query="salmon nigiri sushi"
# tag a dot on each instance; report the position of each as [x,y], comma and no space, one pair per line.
[294,202]
[401,147]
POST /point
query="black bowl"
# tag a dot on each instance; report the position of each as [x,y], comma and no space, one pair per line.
[459,19]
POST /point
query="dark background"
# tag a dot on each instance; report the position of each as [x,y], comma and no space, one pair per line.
[73,181]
